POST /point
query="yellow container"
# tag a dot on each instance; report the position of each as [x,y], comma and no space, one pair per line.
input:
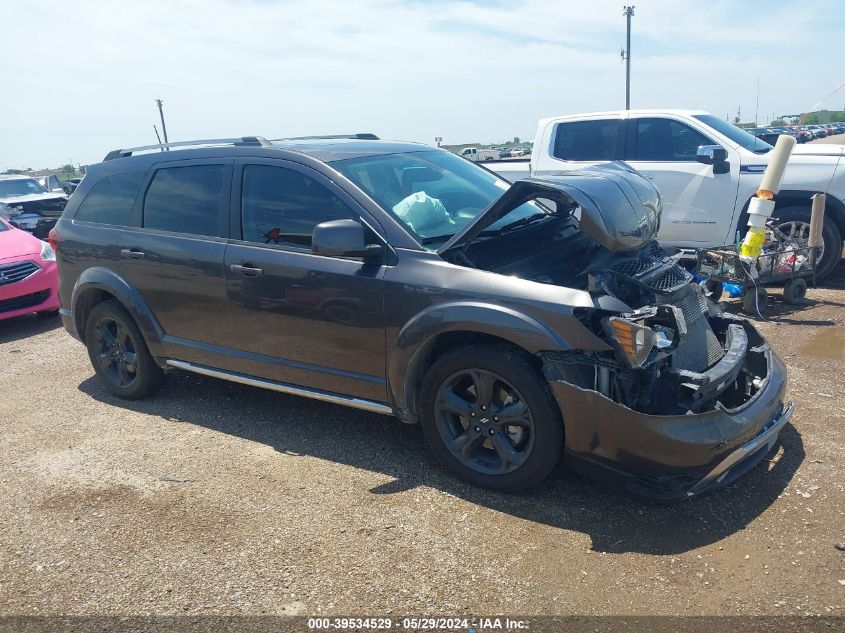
[753,241]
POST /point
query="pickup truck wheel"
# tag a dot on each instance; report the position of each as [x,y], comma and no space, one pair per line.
[119,354]
[489,415]
[795,222]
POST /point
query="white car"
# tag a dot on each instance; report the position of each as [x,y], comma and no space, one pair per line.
[706,169]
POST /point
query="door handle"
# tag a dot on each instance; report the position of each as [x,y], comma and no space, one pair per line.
[132,253]
[246,270]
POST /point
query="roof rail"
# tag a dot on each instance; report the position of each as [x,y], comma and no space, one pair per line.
[258,141]
[361,136]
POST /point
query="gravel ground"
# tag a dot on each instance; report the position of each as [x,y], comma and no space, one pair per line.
[216,498]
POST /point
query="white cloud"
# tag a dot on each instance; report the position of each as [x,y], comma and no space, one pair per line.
[81,78]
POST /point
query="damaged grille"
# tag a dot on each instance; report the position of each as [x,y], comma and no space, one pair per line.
[50,208]
[634,266]
[699,348]
[671,278]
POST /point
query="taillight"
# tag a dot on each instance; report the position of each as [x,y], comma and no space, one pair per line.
[54,238]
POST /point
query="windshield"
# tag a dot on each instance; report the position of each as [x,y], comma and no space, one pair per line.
[736,134]
[19,187]
[433,193]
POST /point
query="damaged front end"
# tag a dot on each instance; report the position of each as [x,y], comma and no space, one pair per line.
[683,399]
[689,399]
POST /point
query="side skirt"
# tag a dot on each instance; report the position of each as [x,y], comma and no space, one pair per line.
[325,396]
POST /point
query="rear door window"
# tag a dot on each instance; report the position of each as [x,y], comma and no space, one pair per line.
[593,140]
[187,200]
[664,140]
[282,206]
[110,200]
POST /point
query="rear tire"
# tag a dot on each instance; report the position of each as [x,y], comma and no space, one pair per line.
[119,353]
[489,415]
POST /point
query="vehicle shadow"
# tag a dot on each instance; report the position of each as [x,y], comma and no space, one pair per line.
[615,521]
[778,311]
[22,327]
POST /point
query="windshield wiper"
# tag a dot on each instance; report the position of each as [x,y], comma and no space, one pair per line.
[516,224]
[436,238]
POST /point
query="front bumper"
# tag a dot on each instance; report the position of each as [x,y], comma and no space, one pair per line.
[38,293]
[672,457]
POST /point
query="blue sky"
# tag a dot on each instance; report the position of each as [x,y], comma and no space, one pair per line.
[81,79]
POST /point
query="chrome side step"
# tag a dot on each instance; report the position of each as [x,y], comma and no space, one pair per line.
[348,401]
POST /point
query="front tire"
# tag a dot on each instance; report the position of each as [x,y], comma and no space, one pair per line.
[119,353]
[488,415]
[794,221]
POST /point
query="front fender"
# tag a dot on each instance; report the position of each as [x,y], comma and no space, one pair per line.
[417,336]
[98,279]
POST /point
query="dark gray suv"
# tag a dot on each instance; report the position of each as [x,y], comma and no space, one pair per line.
[516,323]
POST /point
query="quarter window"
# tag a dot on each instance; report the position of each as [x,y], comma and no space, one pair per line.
[593,140]
[282,206]
[665,140]
[186,200]
[111,199]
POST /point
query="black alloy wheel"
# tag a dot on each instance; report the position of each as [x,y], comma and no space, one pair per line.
[484,422]
[117,354]
[488,413]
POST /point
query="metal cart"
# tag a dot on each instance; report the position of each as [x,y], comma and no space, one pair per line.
[792,264]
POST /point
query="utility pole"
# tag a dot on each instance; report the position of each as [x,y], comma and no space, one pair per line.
[628,12]
[161,114]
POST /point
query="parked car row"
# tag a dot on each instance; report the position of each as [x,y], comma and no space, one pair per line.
[478,155]
[802,133]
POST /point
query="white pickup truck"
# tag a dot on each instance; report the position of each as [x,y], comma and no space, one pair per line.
[480,155]
[705,168]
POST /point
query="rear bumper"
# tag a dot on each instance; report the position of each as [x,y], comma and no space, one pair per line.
[38,293]
[672,457]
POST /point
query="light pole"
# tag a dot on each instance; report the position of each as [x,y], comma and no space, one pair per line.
[628,12]
[161,114]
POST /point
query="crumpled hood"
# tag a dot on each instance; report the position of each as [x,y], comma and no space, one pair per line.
[33,197]
[620,208]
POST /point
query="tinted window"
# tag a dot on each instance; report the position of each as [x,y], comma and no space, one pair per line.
[111,199]
[736,134]
[282,206]
[586,140]
[665,140]
[186,200]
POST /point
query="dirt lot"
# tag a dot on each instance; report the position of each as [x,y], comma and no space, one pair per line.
[219,498]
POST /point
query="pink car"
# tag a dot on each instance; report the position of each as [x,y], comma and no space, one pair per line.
[29,278]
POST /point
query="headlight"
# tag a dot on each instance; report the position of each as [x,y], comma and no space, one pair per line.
[47,253]
[633,340]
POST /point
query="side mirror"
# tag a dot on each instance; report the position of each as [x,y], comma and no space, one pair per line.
[342,238]
[711,154]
